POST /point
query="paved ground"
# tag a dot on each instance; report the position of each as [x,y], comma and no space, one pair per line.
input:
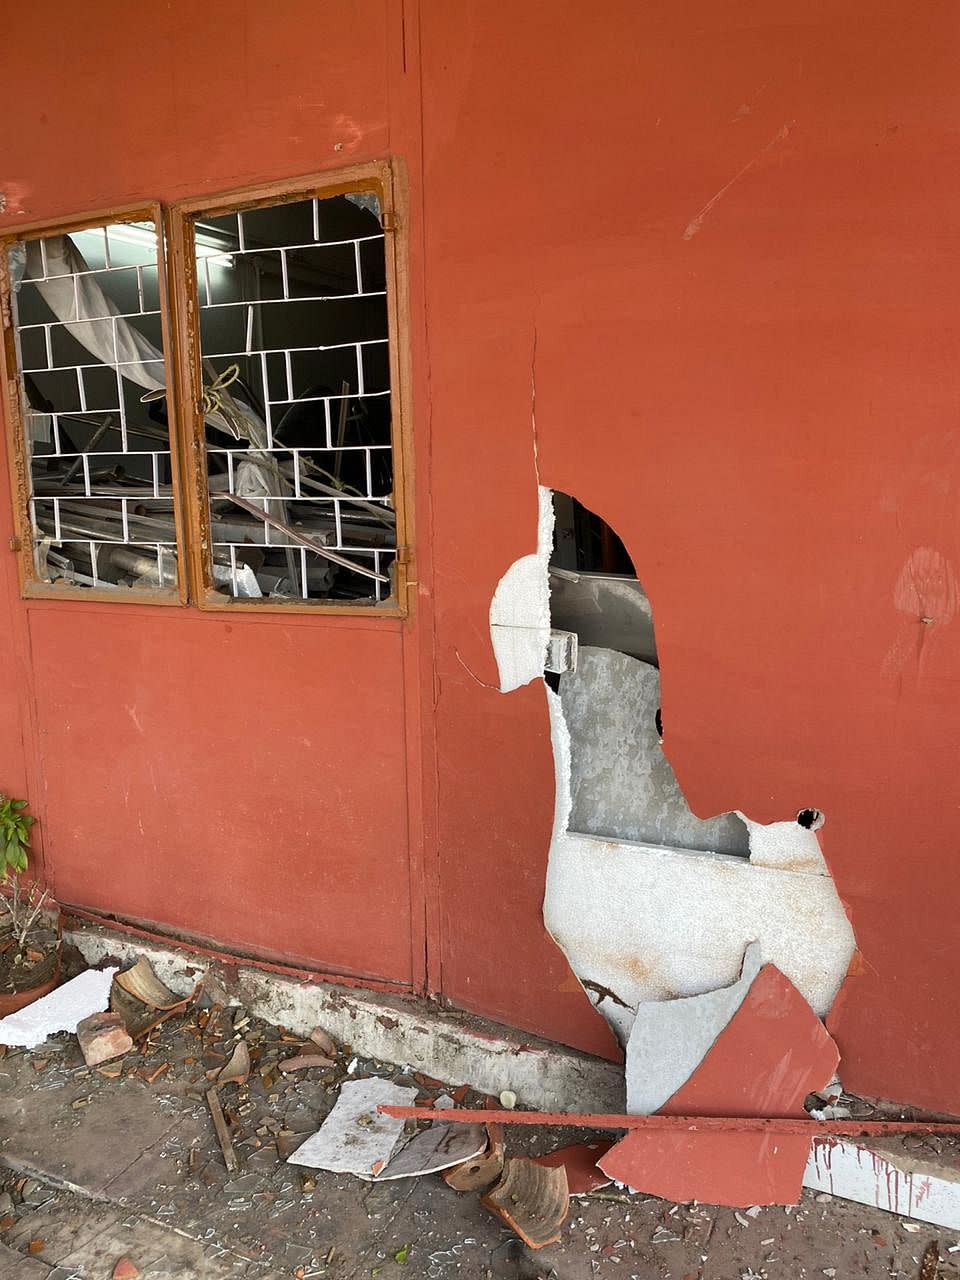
[123,1161]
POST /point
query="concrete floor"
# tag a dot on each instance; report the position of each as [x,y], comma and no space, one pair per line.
[101,1166]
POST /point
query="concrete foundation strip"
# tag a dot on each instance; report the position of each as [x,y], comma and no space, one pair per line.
[692,1124]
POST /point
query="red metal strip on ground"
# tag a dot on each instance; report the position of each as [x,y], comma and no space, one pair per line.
[691,1124]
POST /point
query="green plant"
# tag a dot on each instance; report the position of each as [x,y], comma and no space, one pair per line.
[14,835]
[23,905]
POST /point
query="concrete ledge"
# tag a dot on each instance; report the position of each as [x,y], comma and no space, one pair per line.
[886,1174]
[448,1045]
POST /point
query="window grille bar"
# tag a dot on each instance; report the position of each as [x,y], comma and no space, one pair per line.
[321,297]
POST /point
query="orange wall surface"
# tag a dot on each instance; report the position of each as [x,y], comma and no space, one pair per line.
[242,779]
[718,243]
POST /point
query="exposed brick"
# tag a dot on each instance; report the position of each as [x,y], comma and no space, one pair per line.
[103,1036]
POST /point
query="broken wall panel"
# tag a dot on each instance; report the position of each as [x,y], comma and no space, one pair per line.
[621,783]
[520,609]
[770,1054]
[618,926]
[639,923]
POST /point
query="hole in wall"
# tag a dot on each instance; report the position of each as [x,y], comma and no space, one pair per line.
[583,542]
[621,784]
[637,925]
[811,819]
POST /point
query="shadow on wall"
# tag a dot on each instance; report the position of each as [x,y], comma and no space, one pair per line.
[648,901]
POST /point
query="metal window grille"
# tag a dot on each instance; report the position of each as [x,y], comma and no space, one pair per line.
[294,354]
[87,323]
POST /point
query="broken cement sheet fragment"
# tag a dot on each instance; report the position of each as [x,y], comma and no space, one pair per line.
[580,1162]
[670,1038]
[355,1137]
[773,1052]
[520,608]
[892,1173]
[433,1149]
[61,1010]
[532,1199]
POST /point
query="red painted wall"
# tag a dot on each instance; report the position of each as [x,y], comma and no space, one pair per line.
[725,230]
[730,229]
[239,778]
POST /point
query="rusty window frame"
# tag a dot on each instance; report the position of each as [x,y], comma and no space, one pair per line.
[180,219]
[32,586]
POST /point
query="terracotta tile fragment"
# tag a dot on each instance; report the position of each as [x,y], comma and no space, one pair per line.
[125,1270]
[304,1061]
[326,1044]
[580,1162]
[483,1170]
[532,1200]
[152,1076]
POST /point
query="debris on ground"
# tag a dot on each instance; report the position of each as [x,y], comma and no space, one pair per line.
[306,1062]
[930,1263]
[581,1164]
[355,1137]
[532,1199]
[225,1124]
[441,1146]
[483,1170]
[237,1070]
[61,1010]
[103,1037]
[143,1001]
[325,1043]
[222,1131]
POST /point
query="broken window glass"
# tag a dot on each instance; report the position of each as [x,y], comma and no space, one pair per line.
[86,309]
[295,369]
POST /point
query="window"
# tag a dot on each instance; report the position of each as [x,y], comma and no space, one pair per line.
[268,472]
[87,316]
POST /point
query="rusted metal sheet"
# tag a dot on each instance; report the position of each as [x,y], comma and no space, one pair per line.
[691,1124]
